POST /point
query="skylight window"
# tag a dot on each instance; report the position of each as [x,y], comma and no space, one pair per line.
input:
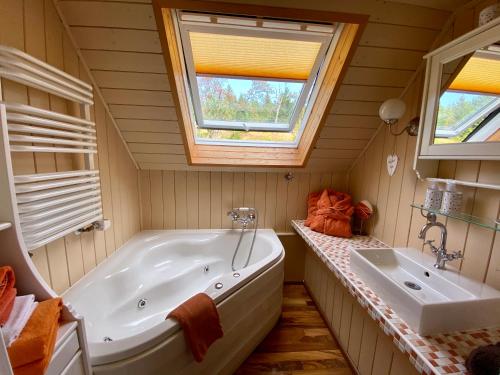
[251,80]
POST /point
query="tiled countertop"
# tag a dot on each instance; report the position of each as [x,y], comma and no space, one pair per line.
[436,354]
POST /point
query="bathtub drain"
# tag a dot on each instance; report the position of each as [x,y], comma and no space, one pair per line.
[142,303]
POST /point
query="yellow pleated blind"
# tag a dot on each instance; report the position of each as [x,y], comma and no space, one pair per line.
[257,57]
[480,75]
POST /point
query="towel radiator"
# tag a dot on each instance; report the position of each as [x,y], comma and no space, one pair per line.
[49,206]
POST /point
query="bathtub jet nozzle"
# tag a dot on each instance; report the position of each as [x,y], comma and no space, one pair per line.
[142,303]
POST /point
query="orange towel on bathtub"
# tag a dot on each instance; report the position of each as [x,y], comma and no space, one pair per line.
[30,354]
[7,292]
[199,319]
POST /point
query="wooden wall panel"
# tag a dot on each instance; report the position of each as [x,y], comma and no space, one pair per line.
[395,222]
[368,348]
[202,199]
[34,26]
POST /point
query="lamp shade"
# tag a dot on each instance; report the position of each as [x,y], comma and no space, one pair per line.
[392,109]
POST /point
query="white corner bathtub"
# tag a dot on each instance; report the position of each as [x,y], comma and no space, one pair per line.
[125,300]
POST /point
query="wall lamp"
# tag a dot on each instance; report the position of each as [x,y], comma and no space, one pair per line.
[392,110]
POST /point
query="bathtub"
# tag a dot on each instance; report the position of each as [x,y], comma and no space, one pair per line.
[124,301]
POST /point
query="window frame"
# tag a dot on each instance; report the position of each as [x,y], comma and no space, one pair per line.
[325,39]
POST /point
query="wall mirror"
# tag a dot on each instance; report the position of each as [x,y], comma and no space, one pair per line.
[461,104]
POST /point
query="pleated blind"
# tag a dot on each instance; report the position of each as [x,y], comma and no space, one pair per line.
[256,57]
[479,74]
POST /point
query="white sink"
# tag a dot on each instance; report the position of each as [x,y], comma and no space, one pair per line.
[430,301]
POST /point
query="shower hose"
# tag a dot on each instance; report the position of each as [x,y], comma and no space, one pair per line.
[243,228]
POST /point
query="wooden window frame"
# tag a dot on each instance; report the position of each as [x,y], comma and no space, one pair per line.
[251,156]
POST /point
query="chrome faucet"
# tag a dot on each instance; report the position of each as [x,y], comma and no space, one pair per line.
[442,255]
[243,215]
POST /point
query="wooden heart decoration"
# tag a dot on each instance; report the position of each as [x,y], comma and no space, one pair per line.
[392,163]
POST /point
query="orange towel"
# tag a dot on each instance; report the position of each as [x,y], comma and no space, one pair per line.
[7,279]
[7,292]
[6,304]
[199,319]
[38,367]
[36,342]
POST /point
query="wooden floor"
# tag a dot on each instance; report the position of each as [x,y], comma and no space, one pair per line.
[299,344]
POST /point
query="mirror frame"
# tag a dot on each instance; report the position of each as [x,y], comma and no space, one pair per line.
[468,43]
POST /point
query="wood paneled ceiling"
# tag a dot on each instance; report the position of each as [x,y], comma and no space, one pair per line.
[119,42]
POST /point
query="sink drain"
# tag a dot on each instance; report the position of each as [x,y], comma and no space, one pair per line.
[413,286]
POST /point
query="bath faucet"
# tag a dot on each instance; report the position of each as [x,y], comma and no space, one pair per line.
[243,215]
[442,255]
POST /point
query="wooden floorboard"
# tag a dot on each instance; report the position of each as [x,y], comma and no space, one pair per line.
[299,344]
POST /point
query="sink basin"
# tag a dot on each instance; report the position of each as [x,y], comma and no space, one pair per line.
[430,301]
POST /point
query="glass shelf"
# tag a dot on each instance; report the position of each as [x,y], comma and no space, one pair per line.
[480,221]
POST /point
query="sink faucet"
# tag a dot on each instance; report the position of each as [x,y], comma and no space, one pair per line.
[442,255]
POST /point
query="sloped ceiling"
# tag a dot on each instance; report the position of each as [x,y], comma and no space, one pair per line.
[120,44]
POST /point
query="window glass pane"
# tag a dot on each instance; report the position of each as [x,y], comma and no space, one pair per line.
[460,113]
[246,100]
